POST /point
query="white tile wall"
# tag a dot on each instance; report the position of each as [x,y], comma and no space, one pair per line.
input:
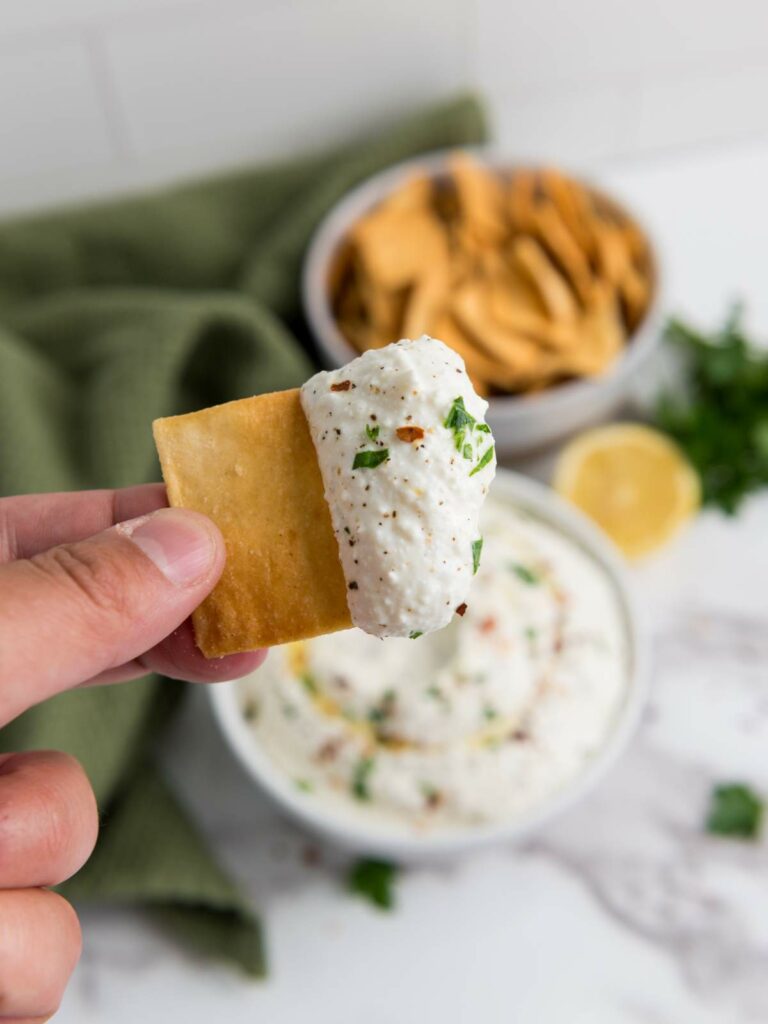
[51,115]
[105,95]
[272,79]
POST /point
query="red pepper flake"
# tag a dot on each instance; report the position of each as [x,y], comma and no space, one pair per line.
[487,625]
[329,750]
[343,385]
[410,434]
[462,608]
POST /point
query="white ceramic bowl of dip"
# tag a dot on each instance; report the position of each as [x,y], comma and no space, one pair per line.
[520,424]
[407,846]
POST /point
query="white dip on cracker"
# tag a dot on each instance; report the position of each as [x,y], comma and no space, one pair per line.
[406,460]
[476,724]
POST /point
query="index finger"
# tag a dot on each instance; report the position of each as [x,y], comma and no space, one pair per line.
[32,523]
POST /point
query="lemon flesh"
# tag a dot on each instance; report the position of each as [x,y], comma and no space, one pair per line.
[633,481]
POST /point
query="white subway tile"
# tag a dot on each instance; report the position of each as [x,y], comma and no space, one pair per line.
[50,116]
[576,127]
[540,44]
[719,105]
[37,15]
[284,77]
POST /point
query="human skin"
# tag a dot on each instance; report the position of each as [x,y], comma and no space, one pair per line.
[95,587]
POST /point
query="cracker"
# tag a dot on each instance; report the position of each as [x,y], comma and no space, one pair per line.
[557,237]
[481,198]
[251,466]
[555,293]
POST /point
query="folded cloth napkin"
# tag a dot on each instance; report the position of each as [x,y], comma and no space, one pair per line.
[110,316]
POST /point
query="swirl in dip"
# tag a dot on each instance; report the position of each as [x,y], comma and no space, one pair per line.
[406,460]
[475,724]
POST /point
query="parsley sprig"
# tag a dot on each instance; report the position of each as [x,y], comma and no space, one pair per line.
[720,419]
[370,459]
[735,810]
[464,426]
[374,880]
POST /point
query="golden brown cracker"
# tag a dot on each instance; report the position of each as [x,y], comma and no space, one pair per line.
[555,292]
[556,236]
[251,466]
[395,246]
[480,196]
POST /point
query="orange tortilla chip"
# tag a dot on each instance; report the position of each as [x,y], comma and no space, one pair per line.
[557,297]
[251,467]
[395,247]
[556,236]
[480,198]
[574,205]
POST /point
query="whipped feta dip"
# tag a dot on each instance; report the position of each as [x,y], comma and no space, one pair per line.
[406,460]
[477,724]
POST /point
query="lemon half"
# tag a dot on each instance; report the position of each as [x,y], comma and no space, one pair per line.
[632,481]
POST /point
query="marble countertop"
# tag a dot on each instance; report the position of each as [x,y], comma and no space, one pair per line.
[623,911]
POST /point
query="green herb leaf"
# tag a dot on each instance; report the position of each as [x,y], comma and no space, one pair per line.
[483,428]
[477,550]
[735,810]
[372,432]
[381,711]
[374,880]
[490,713]
[304,785]
[361,778]
[467,451]
[719,417]
[485,459]
[458,418]
[415,634]
[309,683]
[525,574]
[370,459]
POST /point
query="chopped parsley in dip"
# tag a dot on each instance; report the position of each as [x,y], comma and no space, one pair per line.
[406,460]
[478,723]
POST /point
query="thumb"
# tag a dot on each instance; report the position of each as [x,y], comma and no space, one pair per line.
[79,609]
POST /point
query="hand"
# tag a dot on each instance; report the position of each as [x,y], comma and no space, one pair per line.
[82,601]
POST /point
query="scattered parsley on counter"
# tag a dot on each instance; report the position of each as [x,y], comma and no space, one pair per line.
[735,810]
[374,880]
[477,550]
[361,778]
[370,459]
[720,417]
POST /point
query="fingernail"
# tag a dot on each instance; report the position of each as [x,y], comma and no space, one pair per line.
[182,546]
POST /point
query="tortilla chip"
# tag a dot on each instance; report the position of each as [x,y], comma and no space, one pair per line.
[251,467]
[558,299]
[521,199]
[395,246]
[602,334]
[481,198]
[557,237]
[574,205]
[520,355]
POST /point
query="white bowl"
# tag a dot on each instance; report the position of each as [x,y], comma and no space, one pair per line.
[520,424]
[361,837]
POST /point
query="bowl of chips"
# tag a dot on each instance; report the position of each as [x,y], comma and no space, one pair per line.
[547,287]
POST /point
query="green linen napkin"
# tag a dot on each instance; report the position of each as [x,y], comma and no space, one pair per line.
[111,316]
